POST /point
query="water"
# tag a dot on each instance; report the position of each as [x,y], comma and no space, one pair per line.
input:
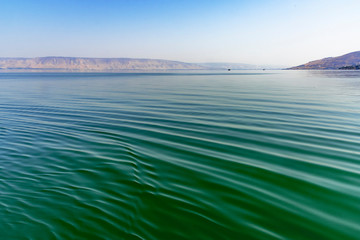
[217,155]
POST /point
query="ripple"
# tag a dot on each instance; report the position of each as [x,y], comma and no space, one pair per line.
[179,156]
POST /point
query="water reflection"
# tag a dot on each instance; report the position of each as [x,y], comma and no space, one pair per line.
[333,73]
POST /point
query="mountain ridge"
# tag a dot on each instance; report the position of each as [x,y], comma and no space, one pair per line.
[62,63]
[349,59]
[96,64]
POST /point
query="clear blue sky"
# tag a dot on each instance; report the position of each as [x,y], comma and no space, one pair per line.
[280,32]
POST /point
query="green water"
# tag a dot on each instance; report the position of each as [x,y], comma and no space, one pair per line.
[217,155]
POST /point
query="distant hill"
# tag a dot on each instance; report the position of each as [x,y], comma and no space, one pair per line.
[347,60]
[93,64]
[115,64]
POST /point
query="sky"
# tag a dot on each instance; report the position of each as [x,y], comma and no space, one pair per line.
[272,32]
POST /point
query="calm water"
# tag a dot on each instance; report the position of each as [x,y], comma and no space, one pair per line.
[232,155]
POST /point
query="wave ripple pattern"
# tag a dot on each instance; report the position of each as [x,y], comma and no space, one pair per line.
[198,155]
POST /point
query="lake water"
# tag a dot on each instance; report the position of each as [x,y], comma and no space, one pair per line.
[186,155]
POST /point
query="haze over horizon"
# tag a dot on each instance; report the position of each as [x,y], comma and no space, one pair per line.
[275,32]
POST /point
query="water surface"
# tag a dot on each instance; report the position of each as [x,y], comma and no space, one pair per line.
[187,155]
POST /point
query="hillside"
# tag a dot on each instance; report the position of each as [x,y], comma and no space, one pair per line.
[350,59]
[93,64]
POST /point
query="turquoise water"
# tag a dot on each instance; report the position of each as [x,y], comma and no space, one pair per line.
[198,155]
